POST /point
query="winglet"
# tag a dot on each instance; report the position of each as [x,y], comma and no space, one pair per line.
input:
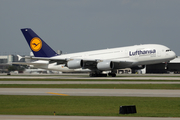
[19,57]
[37,45]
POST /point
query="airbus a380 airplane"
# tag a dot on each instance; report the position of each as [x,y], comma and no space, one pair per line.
[96,61]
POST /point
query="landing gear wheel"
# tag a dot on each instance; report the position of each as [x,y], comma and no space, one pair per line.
[112,74]
[97,75]
[90,75]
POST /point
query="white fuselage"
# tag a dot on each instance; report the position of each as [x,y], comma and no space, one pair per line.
[137,54]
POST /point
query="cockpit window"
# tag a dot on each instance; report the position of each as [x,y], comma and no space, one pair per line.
[168,50]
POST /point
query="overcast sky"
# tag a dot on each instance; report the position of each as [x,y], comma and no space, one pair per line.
[83,25]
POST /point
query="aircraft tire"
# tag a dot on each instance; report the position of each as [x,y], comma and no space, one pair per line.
[97,75]
[112,74]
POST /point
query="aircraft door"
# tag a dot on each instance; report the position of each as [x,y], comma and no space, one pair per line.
[158,53]
[126,54]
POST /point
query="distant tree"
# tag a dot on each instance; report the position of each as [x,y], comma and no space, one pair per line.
[21,67]
[12,68]
[16,68]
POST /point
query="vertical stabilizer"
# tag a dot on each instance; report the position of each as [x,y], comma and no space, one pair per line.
[37,45]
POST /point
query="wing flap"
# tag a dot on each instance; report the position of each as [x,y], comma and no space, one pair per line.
[28,63]
[51,60]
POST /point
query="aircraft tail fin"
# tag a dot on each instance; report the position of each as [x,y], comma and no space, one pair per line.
[37,45]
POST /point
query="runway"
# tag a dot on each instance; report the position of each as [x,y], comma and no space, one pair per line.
[87,77]
[91,92]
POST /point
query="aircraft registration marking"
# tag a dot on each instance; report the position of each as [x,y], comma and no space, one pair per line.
[57,94]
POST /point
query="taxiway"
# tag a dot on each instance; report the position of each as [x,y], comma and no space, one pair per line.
[86,77]
[91,92]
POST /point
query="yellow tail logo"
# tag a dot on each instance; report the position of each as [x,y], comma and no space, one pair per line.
[36,44]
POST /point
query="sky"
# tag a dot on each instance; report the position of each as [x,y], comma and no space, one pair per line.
[84,25]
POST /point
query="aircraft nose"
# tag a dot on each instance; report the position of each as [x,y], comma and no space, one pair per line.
[173,54]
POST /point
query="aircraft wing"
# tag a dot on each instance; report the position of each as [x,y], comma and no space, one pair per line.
[51,60]
[28,63]
[87,63]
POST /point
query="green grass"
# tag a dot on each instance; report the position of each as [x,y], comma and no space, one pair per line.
[100,86]
[39,79]
[88,106]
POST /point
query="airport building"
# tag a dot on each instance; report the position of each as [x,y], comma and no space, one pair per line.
[172,67]
[6,60]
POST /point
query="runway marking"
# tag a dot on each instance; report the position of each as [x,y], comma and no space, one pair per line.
[57,94]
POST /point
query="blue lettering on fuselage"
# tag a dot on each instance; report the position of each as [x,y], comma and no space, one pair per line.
[142,52]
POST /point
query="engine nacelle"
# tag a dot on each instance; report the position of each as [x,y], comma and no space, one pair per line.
[105,65]
[74,64]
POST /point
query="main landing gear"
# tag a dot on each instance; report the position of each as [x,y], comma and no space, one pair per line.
[97,75]
[112,74]
[101,75]
[166,66]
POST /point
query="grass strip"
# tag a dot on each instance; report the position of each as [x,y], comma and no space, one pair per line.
[98,86]
[88,106]
[39,79]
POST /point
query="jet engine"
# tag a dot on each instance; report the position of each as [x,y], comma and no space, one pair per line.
[74,64]
[105,65]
